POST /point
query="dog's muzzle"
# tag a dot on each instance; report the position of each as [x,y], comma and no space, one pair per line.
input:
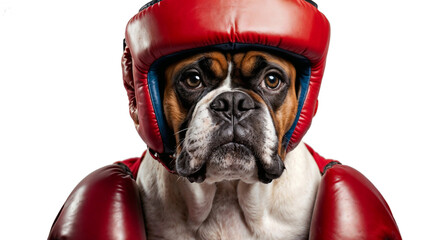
[231,137]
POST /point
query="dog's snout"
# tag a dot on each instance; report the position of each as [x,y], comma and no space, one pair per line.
[231,105]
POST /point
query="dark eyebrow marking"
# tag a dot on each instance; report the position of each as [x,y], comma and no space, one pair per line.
[202,63]
[205,65]
[260,64]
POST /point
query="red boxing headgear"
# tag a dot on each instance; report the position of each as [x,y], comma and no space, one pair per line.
[162,29]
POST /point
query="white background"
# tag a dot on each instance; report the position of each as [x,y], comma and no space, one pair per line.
[63,109]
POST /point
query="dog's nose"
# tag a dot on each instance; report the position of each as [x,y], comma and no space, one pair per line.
[230,105]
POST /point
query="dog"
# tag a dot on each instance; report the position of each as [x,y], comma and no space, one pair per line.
[229,112]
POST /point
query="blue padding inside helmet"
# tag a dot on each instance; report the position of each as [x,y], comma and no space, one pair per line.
[304,79]
[303,76]
[156,99]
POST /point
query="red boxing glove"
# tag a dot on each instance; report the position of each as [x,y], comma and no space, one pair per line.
[105,205]
[348,206]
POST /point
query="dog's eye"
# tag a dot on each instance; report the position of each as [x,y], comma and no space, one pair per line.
[193,80]
[272,81]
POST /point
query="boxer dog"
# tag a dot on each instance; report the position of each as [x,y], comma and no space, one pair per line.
[229,113]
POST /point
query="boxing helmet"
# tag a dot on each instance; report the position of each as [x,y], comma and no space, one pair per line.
[164,29]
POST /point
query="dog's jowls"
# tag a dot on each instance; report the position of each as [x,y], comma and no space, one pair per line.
[229,113]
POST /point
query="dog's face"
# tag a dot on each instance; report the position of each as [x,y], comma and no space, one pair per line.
[229,113]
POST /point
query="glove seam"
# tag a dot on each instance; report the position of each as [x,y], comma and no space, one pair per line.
[330,165]
[126,169]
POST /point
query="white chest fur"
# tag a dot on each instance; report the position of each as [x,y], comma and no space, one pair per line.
[176,209]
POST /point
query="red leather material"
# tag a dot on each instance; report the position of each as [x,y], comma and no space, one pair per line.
[172,26]
[140,106]
[105,205]
[127,74]
[348,206]
[315,109]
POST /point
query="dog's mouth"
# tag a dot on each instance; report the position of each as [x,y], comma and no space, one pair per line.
[230,161]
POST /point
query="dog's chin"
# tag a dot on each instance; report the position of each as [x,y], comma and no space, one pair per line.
[231,161]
